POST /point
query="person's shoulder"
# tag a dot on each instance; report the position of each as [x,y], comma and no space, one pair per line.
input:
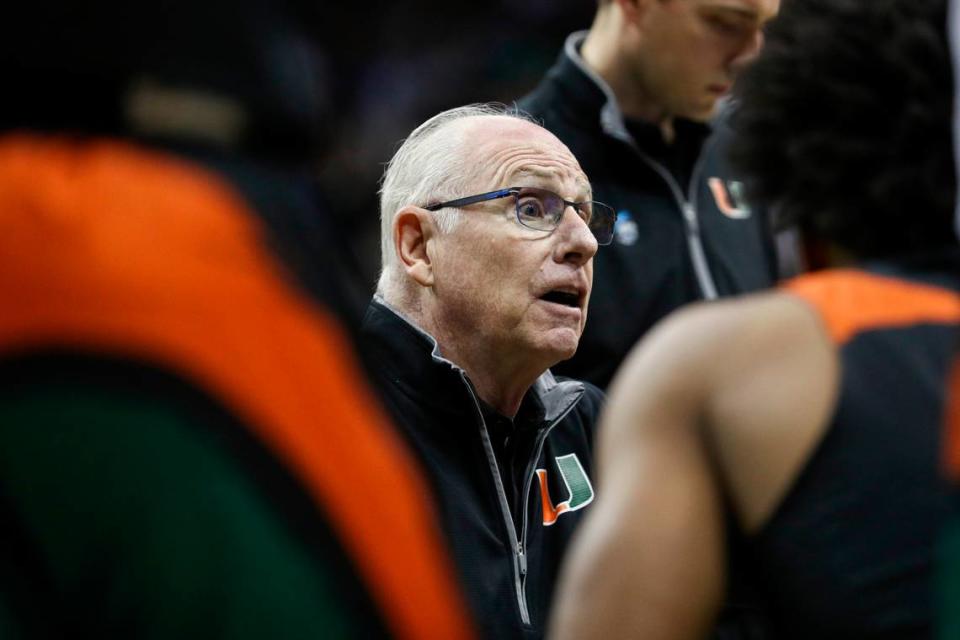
[768,314]
[721,338]
[758,377]
[565,102]
[744,370]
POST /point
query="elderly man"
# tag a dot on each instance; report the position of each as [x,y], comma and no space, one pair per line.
[797,434]
[489,233]
[634,97]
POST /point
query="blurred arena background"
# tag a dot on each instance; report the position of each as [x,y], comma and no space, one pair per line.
[400,63]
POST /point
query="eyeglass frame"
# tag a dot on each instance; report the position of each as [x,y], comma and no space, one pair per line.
[515,191]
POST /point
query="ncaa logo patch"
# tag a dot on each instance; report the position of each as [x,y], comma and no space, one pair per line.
[579,489]
[625,229]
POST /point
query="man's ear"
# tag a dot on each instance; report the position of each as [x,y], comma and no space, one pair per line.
[413,230]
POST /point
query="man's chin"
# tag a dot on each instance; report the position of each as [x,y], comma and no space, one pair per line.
[563,344]
[703,115]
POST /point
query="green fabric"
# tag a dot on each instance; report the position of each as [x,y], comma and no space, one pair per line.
[151,529]
[948,583]
[9,626]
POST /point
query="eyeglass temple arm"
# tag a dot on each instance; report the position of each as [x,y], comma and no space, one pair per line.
[462,202]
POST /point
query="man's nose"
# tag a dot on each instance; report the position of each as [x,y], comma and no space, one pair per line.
[576,242]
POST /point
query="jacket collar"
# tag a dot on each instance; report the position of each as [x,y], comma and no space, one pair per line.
[589,94]
[409,357]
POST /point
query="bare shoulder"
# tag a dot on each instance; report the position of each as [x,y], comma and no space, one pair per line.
[704,342]
[755,377]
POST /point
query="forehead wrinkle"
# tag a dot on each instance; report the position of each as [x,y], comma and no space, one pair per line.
[511,163]
[583,185]
[509,148]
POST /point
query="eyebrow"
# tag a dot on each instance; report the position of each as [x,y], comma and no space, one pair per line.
[582,184]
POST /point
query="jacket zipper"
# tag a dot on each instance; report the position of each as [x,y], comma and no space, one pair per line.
[517,543]
[519,553]
[694,242]
[527,485]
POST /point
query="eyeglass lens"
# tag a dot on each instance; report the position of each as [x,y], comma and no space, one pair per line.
[542,209]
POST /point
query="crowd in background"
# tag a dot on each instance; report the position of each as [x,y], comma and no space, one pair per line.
[403,62]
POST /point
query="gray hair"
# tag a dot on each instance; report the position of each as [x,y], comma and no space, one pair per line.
[432,165]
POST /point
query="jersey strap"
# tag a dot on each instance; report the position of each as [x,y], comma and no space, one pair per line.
[851,302]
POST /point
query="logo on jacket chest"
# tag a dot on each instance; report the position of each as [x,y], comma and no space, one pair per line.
[728,196]
[579,489]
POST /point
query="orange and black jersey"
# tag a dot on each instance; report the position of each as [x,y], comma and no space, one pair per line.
[187,446]
[849,552]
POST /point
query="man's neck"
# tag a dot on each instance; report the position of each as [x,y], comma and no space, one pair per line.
[601,54]
[501,382]
[504,399]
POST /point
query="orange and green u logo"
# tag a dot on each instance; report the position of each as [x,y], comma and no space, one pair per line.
[578,487]
[729,198]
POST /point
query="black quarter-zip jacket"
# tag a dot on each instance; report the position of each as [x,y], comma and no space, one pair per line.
[683,231]
[509,492]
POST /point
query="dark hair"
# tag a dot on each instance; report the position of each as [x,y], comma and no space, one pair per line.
[844,123]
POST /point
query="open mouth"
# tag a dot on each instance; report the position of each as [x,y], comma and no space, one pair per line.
[565,298]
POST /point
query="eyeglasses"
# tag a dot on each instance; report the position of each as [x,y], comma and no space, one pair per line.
[542,210]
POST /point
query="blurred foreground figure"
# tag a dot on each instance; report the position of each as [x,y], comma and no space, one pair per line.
[796,435]
[187,445]
[949,585]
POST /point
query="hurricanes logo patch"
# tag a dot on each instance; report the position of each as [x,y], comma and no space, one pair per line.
[729,198]
[579,489]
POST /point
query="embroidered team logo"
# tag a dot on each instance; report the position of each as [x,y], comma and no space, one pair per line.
[578,488]
[729,198]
